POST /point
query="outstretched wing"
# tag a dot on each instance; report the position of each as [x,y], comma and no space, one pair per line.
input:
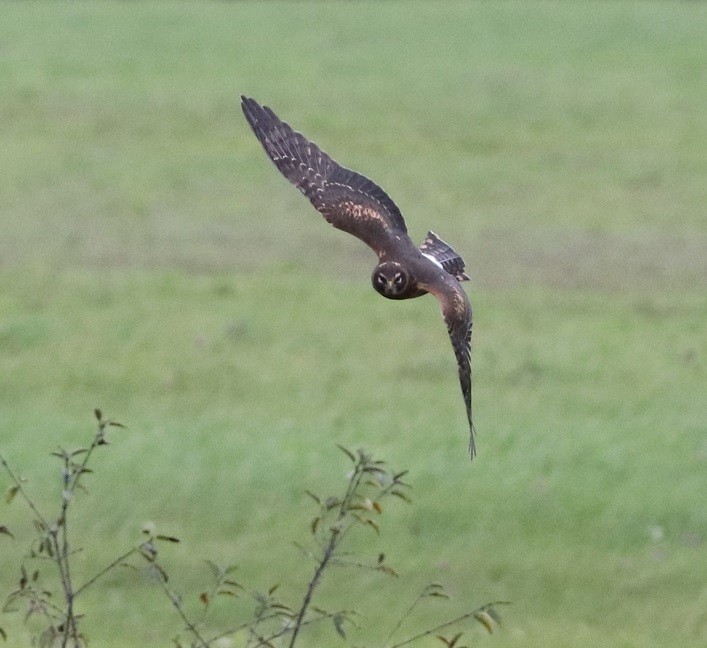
[441,253]
[456,311]
[348,200]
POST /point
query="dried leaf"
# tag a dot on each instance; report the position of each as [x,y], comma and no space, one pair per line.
[315,524]
[401,495]
[314,497]
[377,507]
[98,414]
[167,538]
[347,452]
[485,619]
[449,642]
[226,592]
[11,492]
[148,550]
[388,570]
[370,523]
[215,569]
[39,525]
[331,502]
[339,625]
[431,589]
[204,598]
[438,595]
[492,612]
[48,547]
[381,558]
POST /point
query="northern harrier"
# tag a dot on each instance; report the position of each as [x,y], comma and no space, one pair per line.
[354,204]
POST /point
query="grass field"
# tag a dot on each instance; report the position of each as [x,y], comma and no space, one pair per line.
[154,263]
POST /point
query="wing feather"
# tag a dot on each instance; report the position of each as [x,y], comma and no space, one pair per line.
[456,311]
[442,254]
[348,200]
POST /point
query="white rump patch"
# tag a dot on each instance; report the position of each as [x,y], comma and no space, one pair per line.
[431,258]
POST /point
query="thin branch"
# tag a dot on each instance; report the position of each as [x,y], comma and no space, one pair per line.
[463,617]
[334,538]
[284,631]
[176,603]
[431,590]
[105,570]
[243,626]
[22,492]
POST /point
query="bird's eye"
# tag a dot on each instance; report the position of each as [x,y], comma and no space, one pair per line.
[380,279]
[399,279]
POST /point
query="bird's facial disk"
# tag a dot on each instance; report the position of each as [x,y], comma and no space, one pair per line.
[390,280]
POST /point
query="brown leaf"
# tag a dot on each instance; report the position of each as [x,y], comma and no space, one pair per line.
[204,598]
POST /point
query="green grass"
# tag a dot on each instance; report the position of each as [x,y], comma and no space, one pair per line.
[154,263]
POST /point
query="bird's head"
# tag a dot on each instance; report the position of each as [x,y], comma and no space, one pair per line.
[391,280]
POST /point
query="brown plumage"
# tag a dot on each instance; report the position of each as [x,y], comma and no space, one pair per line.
[354,204]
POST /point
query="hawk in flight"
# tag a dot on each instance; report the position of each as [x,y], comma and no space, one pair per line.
[355,204]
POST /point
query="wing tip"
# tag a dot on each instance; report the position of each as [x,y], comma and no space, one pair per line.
[472,442]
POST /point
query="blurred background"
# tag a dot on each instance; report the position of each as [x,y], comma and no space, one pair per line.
[155,264]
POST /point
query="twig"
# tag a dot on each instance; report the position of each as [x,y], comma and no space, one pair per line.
[463,617]
[334,538]
[21,491]
[105,570]
[177,604]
